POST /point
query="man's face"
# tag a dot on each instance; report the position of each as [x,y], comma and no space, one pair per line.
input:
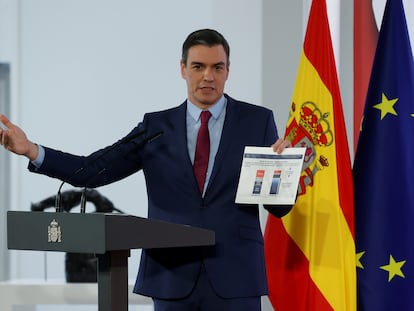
[206,73]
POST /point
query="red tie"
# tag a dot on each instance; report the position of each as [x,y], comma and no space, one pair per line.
[202,150]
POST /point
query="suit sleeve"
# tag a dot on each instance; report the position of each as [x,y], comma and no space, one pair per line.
[102,167]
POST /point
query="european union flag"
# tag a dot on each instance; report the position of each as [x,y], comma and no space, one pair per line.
[384,173]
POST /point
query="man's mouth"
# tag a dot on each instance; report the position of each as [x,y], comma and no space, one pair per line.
[207,88]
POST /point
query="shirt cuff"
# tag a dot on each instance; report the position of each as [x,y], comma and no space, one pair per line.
[40,157]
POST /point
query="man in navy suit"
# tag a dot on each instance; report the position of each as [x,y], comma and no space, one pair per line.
[230,275]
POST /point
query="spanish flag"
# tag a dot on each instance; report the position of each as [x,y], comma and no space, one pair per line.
[310,253]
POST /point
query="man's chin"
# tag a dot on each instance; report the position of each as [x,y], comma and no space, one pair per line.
[208,99]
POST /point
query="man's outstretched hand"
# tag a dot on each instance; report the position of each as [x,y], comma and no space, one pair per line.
[14,139]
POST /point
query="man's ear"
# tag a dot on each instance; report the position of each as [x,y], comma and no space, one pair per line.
[183,70]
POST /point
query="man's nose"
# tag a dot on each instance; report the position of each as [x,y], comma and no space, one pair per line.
[208,74]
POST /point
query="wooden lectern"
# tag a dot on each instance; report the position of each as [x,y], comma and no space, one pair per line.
[109,236]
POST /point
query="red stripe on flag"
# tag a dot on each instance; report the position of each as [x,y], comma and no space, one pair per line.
[289,269]
[365,42]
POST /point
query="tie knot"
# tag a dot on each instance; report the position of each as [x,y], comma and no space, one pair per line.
[205,116]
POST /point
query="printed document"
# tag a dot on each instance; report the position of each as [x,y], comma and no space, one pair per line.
[267,177]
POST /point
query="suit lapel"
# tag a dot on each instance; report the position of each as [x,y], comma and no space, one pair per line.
[178,123]
[227,137]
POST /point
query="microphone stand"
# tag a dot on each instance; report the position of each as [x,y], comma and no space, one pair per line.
[58,198]
[83,201]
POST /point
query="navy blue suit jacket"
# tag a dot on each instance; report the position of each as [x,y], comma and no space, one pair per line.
[235,265]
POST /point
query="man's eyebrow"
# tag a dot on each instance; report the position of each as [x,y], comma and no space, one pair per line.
[196,63]
[216,64]
[220,64]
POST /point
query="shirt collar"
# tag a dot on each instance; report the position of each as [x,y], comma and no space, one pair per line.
[215,109]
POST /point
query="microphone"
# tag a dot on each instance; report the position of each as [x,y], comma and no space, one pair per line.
[124,140]
[138,145]
[71,198]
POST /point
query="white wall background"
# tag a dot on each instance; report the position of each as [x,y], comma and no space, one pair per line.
[88,71]
[83,73]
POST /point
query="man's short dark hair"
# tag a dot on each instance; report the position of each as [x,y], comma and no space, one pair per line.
[206,37]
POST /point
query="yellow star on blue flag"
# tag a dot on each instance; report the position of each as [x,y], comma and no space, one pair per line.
[386,106]
[394,268]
